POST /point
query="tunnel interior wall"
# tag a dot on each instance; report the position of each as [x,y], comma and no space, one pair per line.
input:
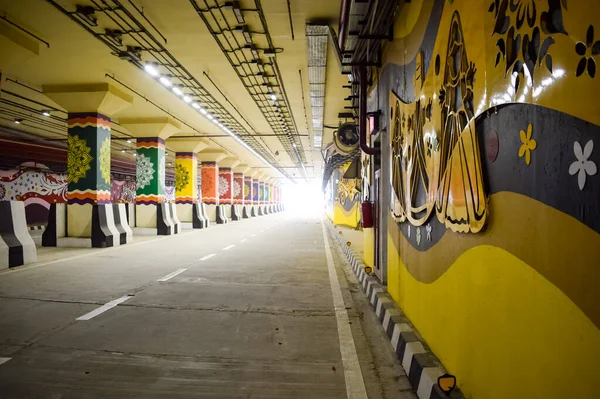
[342,199]
[491,109]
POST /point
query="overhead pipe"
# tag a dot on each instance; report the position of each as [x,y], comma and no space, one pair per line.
[344,21]
[362,117]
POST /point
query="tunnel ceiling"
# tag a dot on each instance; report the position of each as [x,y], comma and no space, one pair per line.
[66,52]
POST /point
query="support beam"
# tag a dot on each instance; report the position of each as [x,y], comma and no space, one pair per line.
[239,188]
[151,213]
[210,185]
[226,187]
[186,177]
[89,210]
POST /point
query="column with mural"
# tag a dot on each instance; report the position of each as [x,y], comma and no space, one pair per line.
[255,196]
[88,157]
[226,187]
[247,207]
[261,197]
[238,190]
[268,197]
[150,178]
[151,211]
[186,175]
[210,182]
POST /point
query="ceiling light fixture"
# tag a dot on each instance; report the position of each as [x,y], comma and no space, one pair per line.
[129,141]
[122,150]
[132,54]
[187,99]
[152,68]
[203,111]
[210,117]
[246,32]
[114,36]
[177,89]
[253,50]
[195,105]
[86,13]
[166,80]
[18,121]
[237,11]
[273,97]
[45,113]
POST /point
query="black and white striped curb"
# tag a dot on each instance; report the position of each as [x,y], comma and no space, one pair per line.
[420,365]
[16,245]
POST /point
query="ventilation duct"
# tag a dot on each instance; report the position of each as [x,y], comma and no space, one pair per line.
[346,138]
[316,39]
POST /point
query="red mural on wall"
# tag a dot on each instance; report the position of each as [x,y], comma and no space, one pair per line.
[225,185]
[210,183]
[238,188]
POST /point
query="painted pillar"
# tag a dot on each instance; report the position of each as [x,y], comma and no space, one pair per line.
[255,196]
[248,203]
[186,185]
[152,214]
[267,197]
[88,156]
[261,197]
[88,169]
[239,203]
[210,188]
[150,177]
[186,176]
[210,182]
[225,186]
[88,159]
[238,188]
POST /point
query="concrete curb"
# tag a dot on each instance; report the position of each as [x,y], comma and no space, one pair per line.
[420,365]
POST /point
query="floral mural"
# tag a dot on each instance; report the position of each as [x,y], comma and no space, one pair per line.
[38,187]
[144,170]
[79,158]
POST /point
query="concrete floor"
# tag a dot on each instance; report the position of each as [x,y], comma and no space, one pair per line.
[254,321]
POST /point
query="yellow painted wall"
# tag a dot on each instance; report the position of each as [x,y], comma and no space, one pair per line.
[346,218]
[501,327]
[334,209]
[513,310]
[369,246]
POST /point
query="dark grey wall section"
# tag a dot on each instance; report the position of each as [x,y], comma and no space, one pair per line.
[547,178]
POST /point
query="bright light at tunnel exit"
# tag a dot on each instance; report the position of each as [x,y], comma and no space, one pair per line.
[303,199]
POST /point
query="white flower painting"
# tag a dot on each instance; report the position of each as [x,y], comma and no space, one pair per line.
[583,166]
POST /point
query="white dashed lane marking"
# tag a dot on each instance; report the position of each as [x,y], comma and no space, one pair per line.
[244,239]
[103,308]
[228,247]
[171,275]
[207,256]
